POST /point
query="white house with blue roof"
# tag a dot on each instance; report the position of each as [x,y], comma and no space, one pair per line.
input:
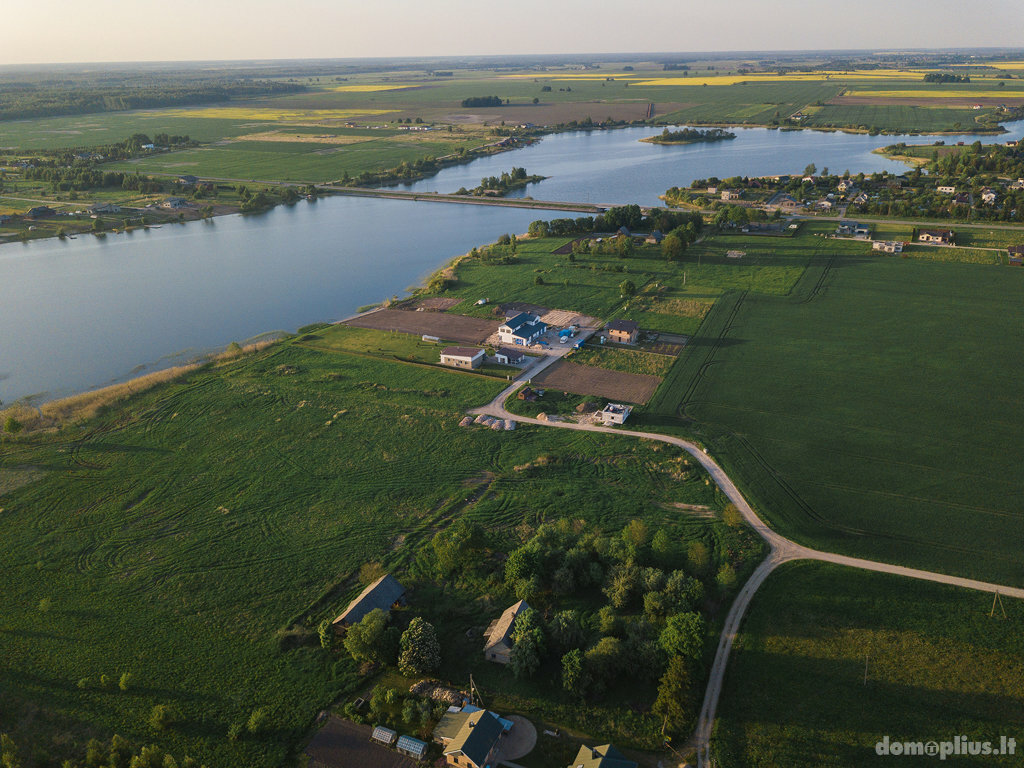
[523,329]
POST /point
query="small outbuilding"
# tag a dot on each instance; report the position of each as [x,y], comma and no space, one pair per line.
[463,357]
[414,748]
[383,735]
[385,593]
[498,645]
[507,356]
[615,413]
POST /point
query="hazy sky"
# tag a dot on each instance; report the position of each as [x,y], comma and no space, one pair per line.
[144,30]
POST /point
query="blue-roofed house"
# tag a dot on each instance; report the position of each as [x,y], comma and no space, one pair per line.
[522,330]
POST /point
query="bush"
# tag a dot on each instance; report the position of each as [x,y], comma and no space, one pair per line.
[125,682]
[160,717]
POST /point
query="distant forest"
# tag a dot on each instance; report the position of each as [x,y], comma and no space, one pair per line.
[58,97]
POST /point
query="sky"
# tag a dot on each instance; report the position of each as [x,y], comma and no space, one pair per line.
[45,31]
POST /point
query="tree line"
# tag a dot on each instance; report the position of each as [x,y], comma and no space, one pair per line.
[20,100]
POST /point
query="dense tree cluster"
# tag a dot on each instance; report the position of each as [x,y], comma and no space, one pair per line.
[946,77]
[483,101]
[116,753]
[629,216]
[693,136]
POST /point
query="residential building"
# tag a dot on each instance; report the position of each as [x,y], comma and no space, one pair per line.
[174,202]
[654,238]
[623,331]
[385,593]
[988,196]
[888,246]
[942,236]
[615,413]
[945,190]
[521,330]
[844,185]
[463,357]
[477,742]
[784,202]
[187,180]
[498,637]
[853,229]
[507,356]
[104,208]
[41,212]
[729,195]
[604,756]
[1018,184]
[861,198]
[1016,254]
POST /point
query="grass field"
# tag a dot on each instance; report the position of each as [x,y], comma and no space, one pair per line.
[873,411]
[180,536]
[625,360]
[937,666]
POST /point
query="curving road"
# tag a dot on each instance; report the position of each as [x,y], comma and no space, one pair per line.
[781,550]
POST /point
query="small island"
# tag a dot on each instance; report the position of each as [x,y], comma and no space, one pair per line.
[498,186]
[689,136]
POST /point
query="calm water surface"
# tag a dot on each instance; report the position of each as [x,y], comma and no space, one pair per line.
[86,312]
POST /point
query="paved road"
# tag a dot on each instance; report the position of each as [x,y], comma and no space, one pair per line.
[781,550]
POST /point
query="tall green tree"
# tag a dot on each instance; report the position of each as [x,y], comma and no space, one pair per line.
[420,650]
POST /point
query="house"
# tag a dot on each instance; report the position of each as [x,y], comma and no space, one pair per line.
[623,331]
[104,208]
[385,593]
[888,246]
[1016,254]
[614,413]
[942,236]
[624,231]
[861,198]
[654,238]
[174,202]
[852,228]
[784,202]
[507,356]
[187,180]
[1018,184]
[944,190]
[5,220]
[477,742]
[41,212]
[604,756]
[521,330]
[498,642]
[845,185]
[824,205]
[988,196]
[731,194]
[962,199]
[463,357]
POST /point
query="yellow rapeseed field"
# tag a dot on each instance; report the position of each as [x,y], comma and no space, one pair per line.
[369,88]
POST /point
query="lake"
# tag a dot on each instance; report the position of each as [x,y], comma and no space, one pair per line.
[82,313]
[615,167]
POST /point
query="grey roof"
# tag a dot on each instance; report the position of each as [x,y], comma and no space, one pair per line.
[514,354]
[469,352]
[517,322]
[604,756]
[623,325]
[477,736]
[501,631]
[383,593]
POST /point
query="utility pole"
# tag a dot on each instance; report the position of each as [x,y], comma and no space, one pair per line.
[996,598]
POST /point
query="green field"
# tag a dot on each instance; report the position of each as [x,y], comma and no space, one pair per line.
[672,296]
[937,666]
[873,411]
[897,118]
[196,535]
[625,360]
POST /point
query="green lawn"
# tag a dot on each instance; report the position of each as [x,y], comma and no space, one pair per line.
[937,666]
[873,411]
[625,360]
